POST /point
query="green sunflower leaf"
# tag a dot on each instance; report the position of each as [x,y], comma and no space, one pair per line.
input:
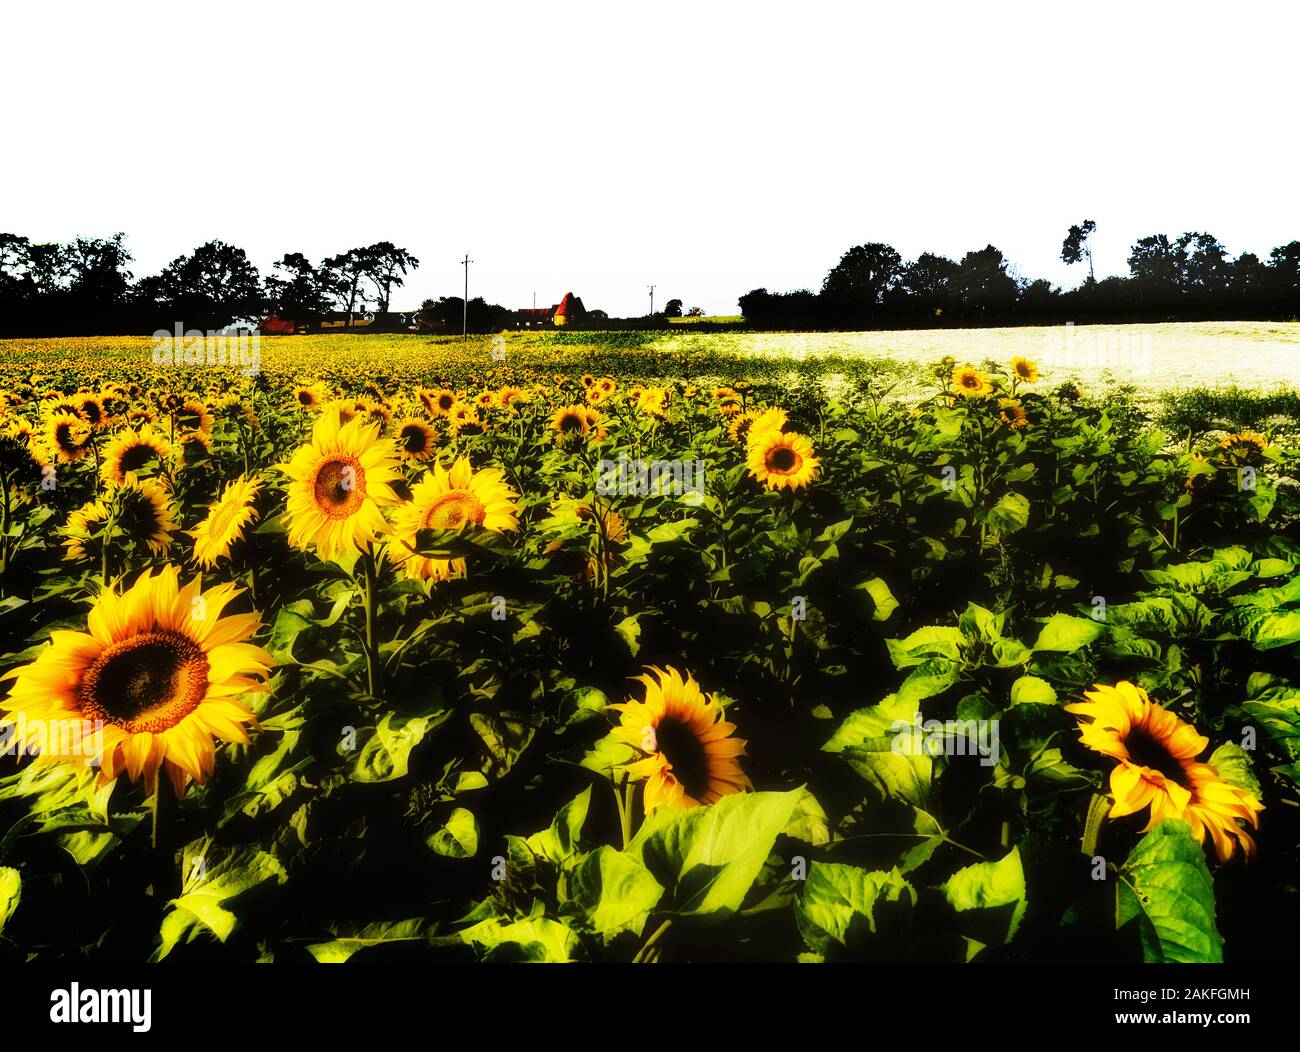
[1167,889]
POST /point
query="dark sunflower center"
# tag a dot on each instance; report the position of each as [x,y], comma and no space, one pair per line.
[136,457]
[685,753]
[339,487]
[570,422]
[445,402]
[783,458]
[414,440]
[67,436]
[146,683]
[1147,751]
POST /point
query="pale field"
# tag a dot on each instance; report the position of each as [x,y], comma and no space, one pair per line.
[1152,358]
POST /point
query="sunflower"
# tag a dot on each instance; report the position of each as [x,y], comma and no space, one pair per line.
[193,447]
[1013,415]
[508,397]
[440,402]
[141,415]
[145,512]
[193,415]
[450,499]
[572,420]
[130,451]
[68,436]
[970,382]
[652,401]
[1244,448]
[226,520]
[416,438]
[338,482]
[463,420]
[1024,370]
[91,408]
[745,426]
[159,668]
[600,522]
[80,527]
[689,757]
[782,459]
[1158,768]
[485,400]
[310,396]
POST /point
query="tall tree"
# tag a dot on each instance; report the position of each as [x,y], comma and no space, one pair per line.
[342,276]
[386,266]
[298,292]
[1078,245]
[212,286]
[859,281]
[982,284]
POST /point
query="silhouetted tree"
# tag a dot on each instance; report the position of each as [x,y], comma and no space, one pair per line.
[342,276]
[385,266]
[211,287]
[298,292]
[674,309]
[1078,245]
[858,283]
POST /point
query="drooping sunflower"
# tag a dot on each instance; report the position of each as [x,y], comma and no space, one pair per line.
[511,397]
[144,511]
[1013,415]
[416,439]
[1246,448]
[82,523]
[160,667]
[130,451]
[970,382]
[338,483]
[450,499]
[228,516]
[782,459]
[688,756]
[745,426]
[1024,370]
[1158,768]
[68,436]
[193,447]
[193,415]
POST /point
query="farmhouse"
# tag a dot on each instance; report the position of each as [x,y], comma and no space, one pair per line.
[567,312]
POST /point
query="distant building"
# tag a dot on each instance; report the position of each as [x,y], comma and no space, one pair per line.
[569,311]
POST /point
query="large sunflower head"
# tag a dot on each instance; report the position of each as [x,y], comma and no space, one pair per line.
[158,669]
[571,421]
[781,459]
[338,483]
[970,382]
[1013,414]
[68,435]
[450,499]
[1157,767]
[133,451]
[226,521]
[687,755]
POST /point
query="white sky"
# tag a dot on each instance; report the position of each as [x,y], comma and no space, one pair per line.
[706,147]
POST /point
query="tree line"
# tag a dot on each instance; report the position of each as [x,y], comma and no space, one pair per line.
[1189,277]
[86,287]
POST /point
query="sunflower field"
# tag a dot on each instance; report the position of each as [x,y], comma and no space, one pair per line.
[593,654]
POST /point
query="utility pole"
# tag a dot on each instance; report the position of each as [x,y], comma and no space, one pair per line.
[464,306]
[652,299]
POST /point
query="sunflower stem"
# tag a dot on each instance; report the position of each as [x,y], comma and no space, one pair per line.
[625,812]
[642,955]
[1097,811]
[370,598]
